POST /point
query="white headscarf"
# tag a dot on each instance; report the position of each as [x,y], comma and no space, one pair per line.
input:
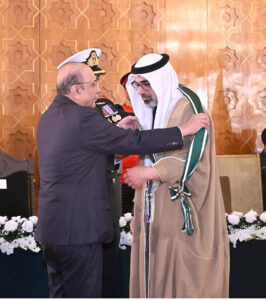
[164,82]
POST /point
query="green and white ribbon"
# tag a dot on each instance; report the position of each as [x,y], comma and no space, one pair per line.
[193,157]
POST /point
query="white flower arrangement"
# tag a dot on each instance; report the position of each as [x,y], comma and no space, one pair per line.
[246,227]
[126,237]
[18,233]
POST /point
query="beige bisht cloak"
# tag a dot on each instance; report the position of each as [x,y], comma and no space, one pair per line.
[181,265]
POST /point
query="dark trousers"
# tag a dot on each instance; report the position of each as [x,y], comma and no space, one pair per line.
[110,287]
[127,199]
[74,271]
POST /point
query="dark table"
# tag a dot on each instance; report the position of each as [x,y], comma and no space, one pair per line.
[23,274]
[248,270]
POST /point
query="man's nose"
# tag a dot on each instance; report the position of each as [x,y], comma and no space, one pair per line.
[140,90]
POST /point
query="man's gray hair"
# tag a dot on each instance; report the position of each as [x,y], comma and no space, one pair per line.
[63,87]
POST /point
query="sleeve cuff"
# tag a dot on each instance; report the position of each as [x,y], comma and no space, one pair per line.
[181,132]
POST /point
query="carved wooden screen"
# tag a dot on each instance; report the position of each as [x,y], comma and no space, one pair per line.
[217,47]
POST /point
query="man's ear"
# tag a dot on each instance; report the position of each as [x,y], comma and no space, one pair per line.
[75,89]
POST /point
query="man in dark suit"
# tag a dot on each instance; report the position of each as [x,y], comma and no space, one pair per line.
[74,212]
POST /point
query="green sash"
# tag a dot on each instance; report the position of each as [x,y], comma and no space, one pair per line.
[193,157]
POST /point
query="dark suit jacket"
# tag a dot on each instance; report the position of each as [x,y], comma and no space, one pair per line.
[73,143]
[114,189]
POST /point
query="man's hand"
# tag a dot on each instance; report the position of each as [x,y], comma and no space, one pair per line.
[128,122]
[195,123]
[137,176]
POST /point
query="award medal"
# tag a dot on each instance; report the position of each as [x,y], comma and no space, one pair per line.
[116,117]
[112,116]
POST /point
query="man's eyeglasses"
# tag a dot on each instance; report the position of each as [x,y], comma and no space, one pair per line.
[144,84]
[92,83]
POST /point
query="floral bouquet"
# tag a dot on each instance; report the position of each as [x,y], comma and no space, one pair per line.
[246,227]
[18,232]
[126,236]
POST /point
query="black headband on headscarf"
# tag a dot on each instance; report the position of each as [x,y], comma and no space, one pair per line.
[124,79]
[150,68]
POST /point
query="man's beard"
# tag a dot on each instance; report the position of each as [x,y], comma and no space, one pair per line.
[152,102]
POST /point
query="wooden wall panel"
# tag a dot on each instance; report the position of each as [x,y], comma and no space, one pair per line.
[123,30]
[237,90]
[186,43]
[19,72]
[217,47]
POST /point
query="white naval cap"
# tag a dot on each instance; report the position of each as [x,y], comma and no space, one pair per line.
[88,56]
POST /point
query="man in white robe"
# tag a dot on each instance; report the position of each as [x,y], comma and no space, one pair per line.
[167,261]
